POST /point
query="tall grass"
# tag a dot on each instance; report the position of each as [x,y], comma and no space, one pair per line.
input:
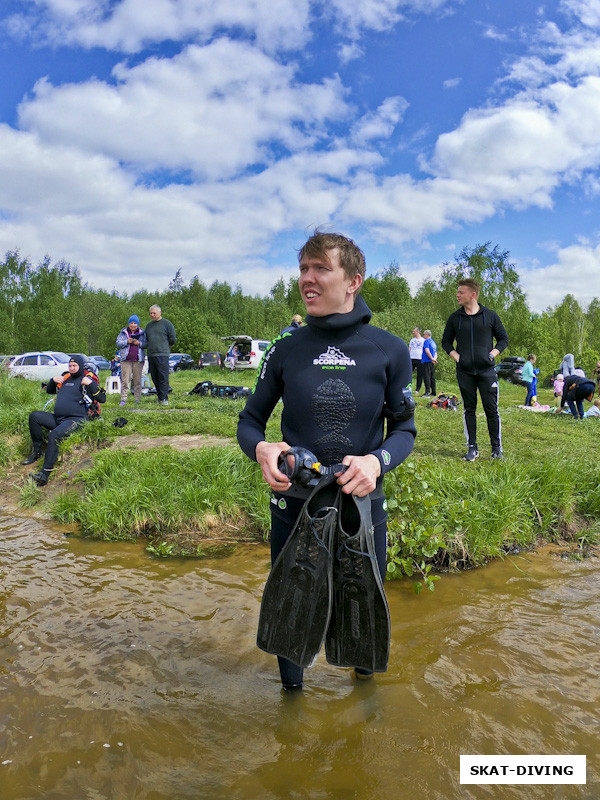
[444,513]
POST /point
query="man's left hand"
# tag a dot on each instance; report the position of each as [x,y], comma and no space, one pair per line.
[86,381]
[361,476]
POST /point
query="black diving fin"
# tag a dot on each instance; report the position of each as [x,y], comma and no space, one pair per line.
[359,629]
[296,602]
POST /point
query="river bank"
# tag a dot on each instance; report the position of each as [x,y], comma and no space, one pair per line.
[176,477]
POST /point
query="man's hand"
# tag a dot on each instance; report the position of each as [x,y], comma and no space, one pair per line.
[58,380]
[456,356]
[267,454]
[494,353]
[361,476]
[86,381]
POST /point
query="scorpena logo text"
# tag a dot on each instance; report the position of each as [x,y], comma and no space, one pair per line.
[334,359]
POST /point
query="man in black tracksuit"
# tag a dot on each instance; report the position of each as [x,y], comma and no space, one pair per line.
[70,411]
[344,385]
[469,339]
[575,391]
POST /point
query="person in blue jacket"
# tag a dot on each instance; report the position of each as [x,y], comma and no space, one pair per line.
[345,386]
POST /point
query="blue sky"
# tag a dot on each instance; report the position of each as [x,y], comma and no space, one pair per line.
[138,137]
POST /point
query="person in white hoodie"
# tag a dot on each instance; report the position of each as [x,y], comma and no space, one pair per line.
[415,349]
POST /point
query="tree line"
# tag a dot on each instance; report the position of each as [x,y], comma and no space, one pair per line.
[50,307]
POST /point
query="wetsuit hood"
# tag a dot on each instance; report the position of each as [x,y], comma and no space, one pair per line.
[81,364]
[360,315]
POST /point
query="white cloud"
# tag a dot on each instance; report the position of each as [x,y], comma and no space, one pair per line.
[131,25]
[379,124]
[452,83]
[213,110]
[576,271]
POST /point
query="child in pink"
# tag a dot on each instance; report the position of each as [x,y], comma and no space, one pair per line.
[559,384]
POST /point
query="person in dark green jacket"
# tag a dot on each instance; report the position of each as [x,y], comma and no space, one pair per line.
[161,336]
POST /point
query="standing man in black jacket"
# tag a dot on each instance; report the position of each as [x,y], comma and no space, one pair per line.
[469,339]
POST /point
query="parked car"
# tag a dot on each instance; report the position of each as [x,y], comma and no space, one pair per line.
[100,362]
[179,361]
[510,368]
[251,350]
[211,360]
[5,361]
[40,365]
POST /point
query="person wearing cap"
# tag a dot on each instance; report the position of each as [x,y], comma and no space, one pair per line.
[132,342]
[70,411]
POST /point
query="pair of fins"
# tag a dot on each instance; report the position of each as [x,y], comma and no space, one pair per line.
[325,586]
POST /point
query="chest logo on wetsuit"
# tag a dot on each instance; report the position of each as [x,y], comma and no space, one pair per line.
[333,359]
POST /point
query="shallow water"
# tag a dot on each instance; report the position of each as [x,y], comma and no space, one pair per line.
[124,677]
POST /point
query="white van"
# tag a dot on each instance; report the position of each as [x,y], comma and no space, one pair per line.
[251,350]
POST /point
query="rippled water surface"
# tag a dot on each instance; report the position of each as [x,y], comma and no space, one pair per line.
[124,677]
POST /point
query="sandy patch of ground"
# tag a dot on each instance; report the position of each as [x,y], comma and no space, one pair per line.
[181,443]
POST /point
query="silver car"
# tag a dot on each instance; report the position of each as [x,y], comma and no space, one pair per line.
[40,365]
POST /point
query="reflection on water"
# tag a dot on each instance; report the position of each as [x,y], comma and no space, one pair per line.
[123,677]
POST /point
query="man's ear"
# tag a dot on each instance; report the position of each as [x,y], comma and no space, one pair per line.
[355,283]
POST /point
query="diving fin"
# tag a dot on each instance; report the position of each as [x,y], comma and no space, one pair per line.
[296,602]
[359,629]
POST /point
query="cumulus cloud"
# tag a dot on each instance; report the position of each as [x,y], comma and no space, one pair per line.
[575,271]
[131,25]
[213,110]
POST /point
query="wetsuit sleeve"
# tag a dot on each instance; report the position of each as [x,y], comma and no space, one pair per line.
[253,419]
[400,434]
[449,336]
[51,386]
[500,334]
[96,392]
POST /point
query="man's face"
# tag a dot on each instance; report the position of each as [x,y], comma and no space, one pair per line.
[325,287]
[73,367]
[465,295]
[416,333]
[154,313]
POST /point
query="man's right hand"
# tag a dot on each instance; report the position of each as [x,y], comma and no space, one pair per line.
[58,380]
[267,455]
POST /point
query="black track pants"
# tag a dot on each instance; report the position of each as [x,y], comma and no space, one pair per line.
[158,367]
[487,385]
[59,429]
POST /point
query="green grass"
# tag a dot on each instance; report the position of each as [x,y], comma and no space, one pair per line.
[444,513]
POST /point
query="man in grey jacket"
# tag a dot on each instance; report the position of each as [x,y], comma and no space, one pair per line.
[160,335]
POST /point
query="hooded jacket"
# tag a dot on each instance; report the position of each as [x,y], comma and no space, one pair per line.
[337,375]
[124,347]
[474,335]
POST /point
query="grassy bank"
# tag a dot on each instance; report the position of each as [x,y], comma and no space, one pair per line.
[444,513]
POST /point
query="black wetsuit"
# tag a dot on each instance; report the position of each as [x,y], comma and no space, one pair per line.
[70,412]
[474,335]
[336,376]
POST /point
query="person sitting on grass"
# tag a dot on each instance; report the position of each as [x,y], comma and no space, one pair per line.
[70,411]
[577,390]
[593,410]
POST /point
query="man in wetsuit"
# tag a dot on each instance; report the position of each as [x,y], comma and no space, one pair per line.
[70,411]
[340,379]
[469,340]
